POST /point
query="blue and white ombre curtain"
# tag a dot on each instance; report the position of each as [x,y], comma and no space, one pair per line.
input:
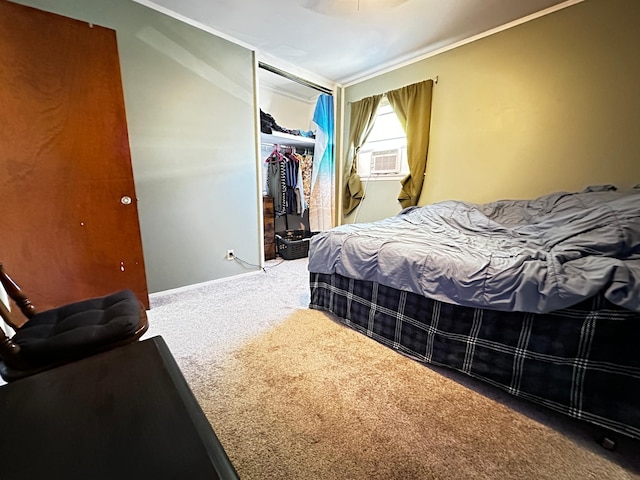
[322,198]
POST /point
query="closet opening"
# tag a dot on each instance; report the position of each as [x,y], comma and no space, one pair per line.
[292,145]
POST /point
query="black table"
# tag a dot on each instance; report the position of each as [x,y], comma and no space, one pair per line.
[123,414]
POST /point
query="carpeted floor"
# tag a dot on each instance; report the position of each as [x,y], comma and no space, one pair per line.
[293,394]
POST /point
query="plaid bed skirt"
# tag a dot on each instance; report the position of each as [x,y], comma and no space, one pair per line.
[583,361]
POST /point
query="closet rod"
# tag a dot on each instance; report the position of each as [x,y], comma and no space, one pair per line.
[284,145]
[292,77]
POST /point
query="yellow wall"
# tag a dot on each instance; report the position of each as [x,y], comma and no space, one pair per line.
[552,104]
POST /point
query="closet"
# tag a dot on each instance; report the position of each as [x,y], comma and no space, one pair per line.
[287,143]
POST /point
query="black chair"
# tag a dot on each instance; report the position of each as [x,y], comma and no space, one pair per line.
[64,334]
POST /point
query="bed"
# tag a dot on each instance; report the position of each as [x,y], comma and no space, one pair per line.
[538,297]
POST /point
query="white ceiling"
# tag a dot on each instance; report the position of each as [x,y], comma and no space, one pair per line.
[340,41]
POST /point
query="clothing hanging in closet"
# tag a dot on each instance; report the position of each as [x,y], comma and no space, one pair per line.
[288,179]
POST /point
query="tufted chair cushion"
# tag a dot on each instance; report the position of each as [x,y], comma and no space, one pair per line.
[78,329]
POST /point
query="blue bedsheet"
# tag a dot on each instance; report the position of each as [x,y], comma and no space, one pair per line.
[534,255]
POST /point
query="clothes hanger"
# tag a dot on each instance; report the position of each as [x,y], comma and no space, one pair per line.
[275,156]
[291,154]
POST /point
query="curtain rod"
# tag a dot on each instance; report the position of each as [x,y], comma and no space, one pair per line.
[294,78]
[434,79]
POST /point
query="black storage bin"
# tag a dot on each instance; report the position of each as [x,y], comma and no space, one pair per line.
[292,244]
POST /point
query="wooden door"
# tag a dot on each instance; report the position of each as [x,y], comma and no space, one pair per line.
[67,228]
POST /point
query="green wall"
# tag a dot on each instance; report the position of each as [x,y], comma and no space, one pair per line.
[189,97]
[548,105]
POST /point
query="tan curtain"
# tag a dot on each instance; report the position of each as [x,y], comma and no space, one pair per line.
[363,115]
[412,105]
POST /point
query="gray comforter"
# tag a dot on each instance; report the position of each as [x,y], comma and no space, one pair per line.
[526,255]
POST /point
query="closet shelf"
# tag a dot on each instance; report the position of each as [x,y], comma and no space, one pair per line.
[281,138]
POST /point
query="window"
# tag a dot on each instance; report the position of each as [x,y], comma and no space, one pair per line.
[384,154]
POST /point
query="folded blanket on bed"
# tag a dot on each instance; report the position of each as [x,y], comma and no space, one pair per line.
[534,255]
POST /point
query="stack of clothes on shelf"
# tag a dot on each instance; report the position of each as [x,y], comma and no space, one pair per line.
[268,125]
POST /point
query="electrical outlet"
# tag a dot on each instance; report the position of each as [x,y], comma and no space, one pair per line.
[230,255]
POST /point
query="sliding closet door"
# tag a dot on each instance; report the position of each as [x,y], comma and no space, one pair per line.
[69,214]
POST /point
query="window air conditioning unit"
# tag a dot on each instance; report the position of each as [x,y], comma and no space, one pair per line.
[385,162]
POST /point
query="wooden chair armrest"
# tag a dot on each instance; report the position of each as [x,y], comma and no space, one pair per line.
[16,294]
[9,317]
[9,351]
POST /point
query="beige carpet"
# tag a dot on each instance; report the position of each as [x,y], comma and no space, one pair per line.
[312,399]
